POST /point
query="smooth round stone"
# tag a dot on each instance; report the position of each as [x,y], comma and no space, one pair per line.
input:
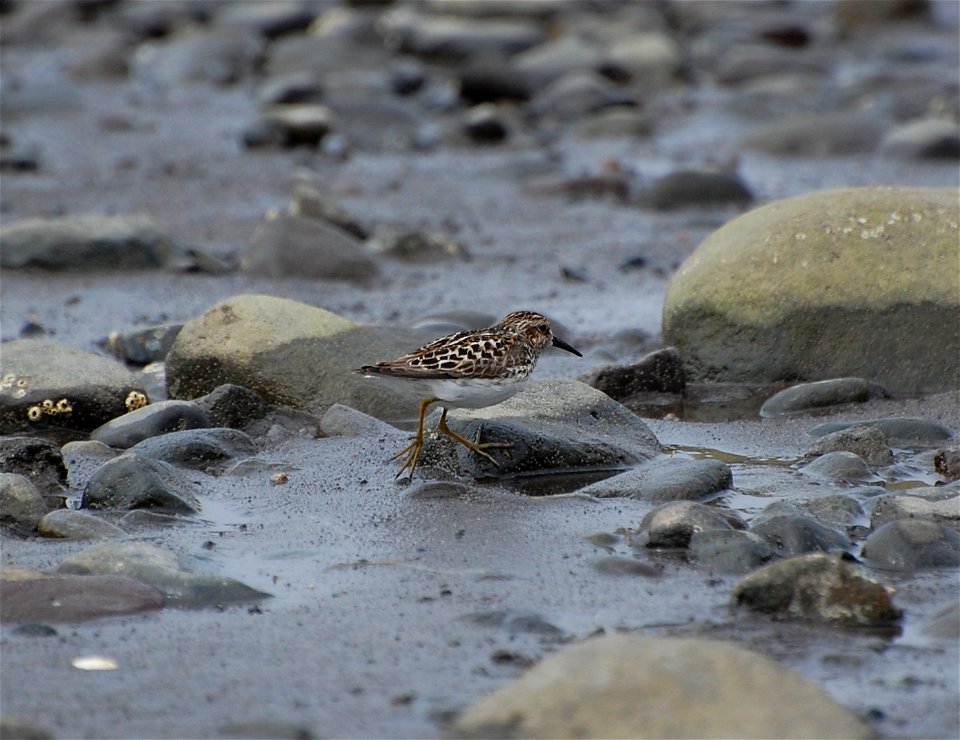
[660,371]
[696,189]
[912,544]
[621,566]
[936,504]
[841,467]
[666,479]
[835,510]
[77,525]
[931,138]
[794,535]
[485,125]
[197,448]
[819,587]
[673,524]
[232,406]
[903,431]
[150,421]
[819,394]
[729,550]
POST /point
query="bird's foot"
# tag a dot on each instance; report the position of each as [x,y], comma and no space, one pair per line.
[412,451]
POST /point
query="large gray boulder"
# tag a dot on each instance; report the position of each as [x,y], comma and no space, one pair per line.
[291,354]
[637,687]
[853,282]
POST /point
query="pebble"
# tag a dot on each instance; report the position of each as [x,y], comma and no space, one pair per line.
[218,56]
[819,587]
[297,124]
[21,505]
[132,481]
[673,524]
[516,621]
[795,535]
[39,460]
[312,201]
[947,463]
[819,135]
[836,510]
[729,550]
[485,125]
[77,525]
[417,247]
[820,394]
[696,189]
[666,479]
[232,406]
[621,566]
[912,544]
[150,421]
[867,442]
[931,138]
[547,61]
[302,86]
[491,80]
[841,467]
[161,570]
[142,346]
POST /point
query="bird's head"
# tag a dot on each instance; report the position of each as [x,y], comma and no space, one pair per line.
[536,328]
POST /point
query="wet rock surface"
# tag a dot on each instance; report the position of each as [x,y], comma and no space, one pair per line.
[306,187]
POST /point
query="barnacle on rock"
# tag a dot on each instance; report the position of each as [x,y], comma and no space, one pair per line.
[34,413]
[135,400]
[47,406]
[63,406]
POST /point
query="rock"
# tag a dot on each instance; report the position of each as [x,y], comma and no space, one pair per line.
[947,463]
[835,511]
[819,135]
[21,505]
[819,587]
[721,402]
[660,371]
[673,524]
[289,353]
[22,729]
[39,460]
[303,86]
[491,81]
[729,550]
[270,19]
[795,535]
[450,37]
[841,467]
[614,565]
[696,189]
[161,570]
[867,442]
[232,406]
[313,202]
[52,388]
[666,479]
[219,56]
[77,525]
[650,59]
[553,426]
[782,293]
[296,124]
[747,63]
[31,596]
[19,158]
[575,94]
[934,504]
[931,138]
[87,242]
[633,686]
[343,421]
[417,247]
[900,432]
[288,246]
[142,346]
[157,418]
[912,544]
[807,396]
[204,449]
[544,63]
[945,624]
[484,124]
[133,481]
[516,622]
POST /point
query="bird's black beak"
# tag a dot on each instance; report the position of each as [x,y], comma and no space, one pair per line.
[563,345]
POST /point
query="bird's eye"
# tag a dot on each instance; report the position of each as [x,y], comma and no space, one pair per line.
[543,328]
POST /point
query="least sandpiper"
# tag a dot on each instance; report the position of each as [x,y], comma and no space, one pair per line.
[470,369]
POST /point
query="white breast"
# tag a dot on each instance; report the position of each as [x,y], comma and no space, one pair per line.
[473,393]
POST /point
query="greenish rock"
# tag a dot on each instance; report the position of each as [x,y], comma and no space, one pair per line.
[161,570]
[641,687]
[21,505]
[52,387]
[852,282]
[77,525]
[291,354]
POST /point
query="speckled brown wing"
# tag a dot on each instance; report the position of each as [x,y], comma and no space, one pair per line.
[470,354]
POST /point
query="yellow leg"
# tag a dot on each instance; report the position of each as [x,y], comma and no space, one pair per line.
[416,445]
[474,446]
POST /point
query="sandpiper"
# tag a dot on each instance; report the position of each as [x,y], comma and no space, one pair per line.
[470,369]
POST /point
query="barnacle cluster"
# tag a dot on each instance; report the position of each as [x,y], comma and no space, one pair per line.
[15,385]
[49,408]
[135,400]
